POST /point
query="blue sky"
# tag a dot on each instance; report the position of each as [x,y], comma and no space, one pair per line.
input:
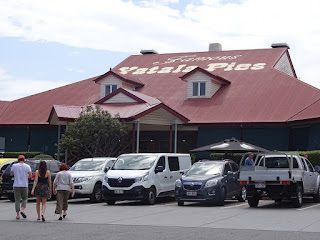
[46,44]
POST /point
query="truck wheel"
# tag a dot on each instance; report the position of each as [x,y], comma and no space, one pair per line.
[180,203]
[298,200]
[110,202]
[316,197]
[151,196]
[243,195]
[253,201]
[96,195]
[222,196]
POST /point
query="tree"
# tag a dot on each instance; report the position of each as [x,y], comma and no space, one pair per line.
[94,134]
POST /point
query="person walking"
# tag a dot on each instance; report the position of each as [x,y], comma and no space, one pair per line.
[42,187]
[61,187]
[21,172]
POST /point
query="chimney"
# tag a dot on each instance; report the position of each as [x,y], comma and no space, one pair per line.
[280,45]
[215,47]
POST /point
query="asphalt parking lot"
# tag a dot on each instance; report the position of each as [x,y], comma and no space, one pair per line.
[234,215]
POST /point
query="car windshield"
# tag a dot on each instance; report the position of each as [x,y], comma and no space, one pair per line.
[134,162]
[88,166]
[205,168]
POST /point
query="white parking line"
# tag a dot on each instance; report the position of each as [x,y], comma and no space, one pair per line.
[234,206]
[301,209]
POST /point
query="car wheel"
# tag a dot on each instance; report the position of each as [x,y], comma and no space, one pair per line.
[243,195]
[253,201]
[297,201]
[151,196]
[11,197]
[110,202]
[222,196]
[180,203]
[316,197]
[96,195]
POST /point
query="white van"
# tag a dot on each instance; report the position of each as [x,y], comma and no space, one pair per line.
[88,174]
[144,176]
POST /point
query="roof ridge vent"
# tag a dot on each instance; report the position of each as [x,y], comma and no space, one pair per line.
[280,45]
[146,52]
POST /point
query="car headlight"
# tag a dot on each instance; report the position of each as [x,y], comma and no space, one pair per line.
[105,179]
[141,178]
[178,183]
[82,179]
[211,183]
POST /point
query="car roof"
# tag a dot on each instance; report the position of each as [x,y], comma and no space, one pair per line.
[217,161]
[98,159]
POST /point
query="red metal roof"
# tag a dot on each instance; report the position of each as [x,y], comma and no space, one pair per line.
[310,112]
[257,92]
[3,106]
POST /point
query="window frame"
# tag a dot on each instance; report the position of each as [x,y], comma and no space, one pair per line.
[198,89]
[112,88]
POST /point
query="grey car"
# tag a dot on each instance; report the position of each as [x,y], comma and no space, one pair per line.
[210,181]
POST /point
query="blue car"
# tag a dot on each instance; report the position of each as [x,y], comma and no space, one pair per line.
[210,181]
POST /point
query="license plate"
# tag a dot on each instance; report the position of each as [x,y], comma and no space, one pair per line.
[118,191]
[192,194]
[260,185]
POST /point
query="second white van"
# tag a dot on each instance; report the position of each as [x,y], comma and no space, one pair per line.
[144,176]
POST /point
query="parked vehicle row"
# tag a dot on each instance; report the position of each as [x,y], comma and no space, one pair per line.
[148,176]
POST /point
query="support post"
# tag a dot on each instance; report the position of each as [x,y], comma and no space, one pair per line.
[138,136]
[175,137]
[66,150]
[59,133]
[170,140]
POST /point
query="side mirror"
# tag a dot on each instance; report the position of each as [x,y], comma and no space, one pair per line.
[106,169]
[159,169]
[317,169]
[229,173]
[182,173]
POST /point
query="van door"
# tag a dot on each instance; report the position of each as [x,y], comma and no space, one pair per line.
[174,174]
[161,178]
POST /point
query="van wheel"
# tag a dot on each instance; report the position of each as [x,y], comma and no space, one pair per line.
[180,203]
[298,200]
[243,195]
[222,196]
[110,202]
[151,196]
[96,195]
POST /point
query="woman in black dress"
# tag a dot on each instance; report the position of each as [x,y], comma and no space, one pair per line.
[42,187]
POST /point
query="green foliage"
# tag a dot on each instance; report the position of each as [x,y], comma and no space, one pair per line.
[94,134]
[16,154]
[313,156]
[43,156]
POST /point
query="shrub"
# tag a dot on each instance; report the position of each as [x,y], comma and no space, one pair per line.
[43,156]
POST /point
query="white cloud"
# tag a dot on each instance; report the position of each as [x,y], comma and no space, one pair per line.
[12,88]
[128,26]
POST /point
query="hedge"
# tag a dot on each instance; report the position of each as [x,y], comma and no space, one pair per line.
[313,156]
[16,154]
[43,156]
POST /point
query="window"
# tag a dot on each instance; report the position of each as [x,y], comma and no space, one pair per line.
[227,168]
[311,169]
[110,89]
[235,167]
[198,89]
[173,164]
[295,163]
[161,162]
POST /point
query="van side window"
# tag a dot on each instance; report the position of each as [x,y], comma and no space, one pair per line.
[173,164]
[161,162]
[311,169]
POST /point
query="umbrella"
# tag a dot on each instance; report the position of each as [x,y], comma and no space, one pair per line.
[231,145]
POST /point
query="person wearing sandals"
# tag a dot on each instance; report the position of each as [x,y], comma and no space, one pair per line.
[21,172]
[61,187]
[42,188]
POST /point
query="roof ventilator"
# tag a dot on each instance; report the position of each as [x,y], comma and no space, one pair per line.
[280,45]
[146,52]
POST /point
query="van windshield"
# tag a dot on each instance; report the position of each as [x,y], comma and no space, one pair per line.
[134,162]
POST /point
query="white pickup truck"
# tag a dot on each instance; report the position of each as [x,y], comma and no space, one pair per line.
[280,176]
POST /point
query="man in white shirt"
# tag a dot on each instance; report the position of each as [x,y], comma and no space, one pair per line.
[21,172]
